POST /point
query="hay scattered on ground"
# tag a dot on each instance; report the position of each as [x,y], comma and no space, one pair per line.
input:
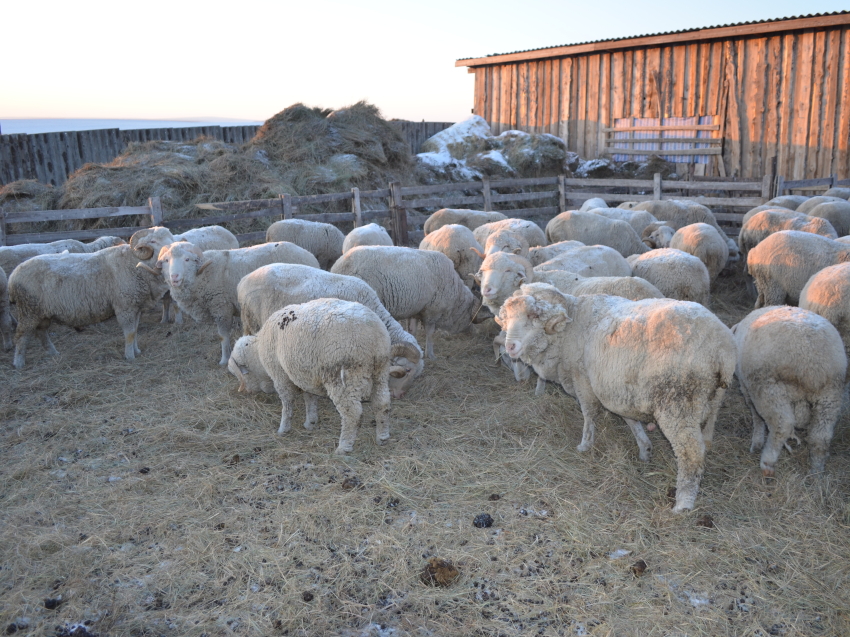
[152,498]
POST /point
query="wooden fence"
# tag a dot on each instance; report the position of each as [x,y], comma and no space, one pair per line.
[51,157]
[784,187]
[402,203]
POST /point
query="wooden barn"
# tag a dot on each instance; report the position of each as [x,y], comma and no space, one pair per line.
[733,97]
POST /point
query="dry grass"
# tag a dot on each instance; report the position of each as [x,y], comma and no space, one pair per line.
[156,500]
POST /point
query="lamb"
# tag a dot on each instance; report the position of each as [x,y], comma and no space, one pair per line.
[12,256]
[419,284]
[827,294]
[791,202]
[269,288]
[457,243]
[762,224]
[679,213]
[812,202]
[836,212]
[203,284]
[783,263]
[791,366]
[655,360]
[469,218]
[590,229]
[699,239]
[7,322]
[589,261]
[637,219]
[541,254]
[528,229]
[369,235]
[325,347]
[677,274]
[841,193]
[322,239]
[79,290]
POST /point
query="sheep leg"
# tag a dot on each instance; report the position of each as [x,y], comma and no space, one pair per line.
[521,370]
[346,399]
[286,390]
[381,406]
[166,308]
[430,328]
[224,325]
[6,328]
[779,415]
[311,407]
[540,388]
[591,408]
[686,439]
[643,442]
[412,325]
[128,322]
[825,413]
[759,426]
[770,293]
[46,343]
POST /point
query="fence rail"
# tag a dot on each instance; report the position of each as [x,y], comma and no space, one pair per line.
[400,211]
[822,183]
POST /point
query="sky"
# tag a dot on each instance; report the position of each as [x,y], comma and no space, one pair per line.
[250,59]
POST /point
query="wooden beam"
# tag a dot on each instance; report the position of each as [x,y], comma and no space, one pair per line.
[663,153]
[656,140]
[669,127]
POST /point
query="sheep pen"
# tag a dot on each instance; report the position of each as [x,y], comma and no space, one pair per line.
[150,498]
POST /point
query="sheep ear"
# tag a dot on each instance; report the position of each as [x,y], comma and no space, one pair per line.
[517,251]
[557,323]
[203,266]
[476,277]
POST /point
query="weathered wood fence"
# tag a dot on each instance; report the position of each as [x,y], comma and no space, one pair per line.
[400,204]
[784,187]
[51,157]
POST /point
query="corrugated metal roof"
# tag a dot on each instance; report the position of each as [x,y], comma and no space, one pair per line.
[648,35]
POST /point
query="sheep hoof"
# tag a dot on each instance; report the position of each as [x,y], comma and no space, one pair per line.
[585,446]
[309,426]
[768,472]
[340,451]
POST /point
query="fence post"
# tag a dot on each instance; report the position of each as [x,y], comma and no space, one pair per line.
[562,193]
[287,205]
[834,181]
[780,186]
[355,207]
[155,204]
[765,187]
[488,202]
[656,186]
[3,228]
[398,214]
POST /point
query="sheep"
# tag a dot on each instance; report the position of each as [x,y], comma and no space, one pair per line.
[836,212]
[269,288]
[655,360]
[592,204]
[528,229]
[7,322]
[79,290]
[322,239]
[457,243]
[762,224]
[791,202]
[325,347]
[590,228]
[419,284]
[699,239]
[589,261]
[12,256]
[845,239]
[369,235]
[469,218]
[637,219]
[677,274]
[812,202]
[203,284]
[827,294]
[505,240]
[842,193]
[541,254]
[679,213]
[791,366]
[783,263]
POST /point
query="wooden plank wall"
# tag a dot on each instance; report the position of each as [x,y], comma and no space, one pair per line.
[418,132]
[786,96]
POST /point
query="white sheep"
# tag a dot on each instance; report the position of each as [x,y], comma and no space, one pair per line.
[458,243]
[842,193]
[267,289]
[505,240]
[763,224]
[699,239]
[836,212]
[541,254]
[813,202]
[791,202]
[783,263]
[827,294]
[589,261]
[79,290]
[677,274]
[325,347]
[419,284]
[369,235]
[203,284]
[527,229]
[12,256]
[678,213]
[791,367]
[7,322]
[637,219]
[592,204]
[593,229]
[469,218]
[655,360]
[323,240]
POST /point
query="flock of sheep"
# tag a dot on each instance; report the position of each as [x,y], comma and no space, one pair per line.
[610,303]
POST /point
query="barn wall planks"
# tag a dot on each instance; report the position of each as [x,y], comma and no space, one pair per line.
[783,94]
[51,157]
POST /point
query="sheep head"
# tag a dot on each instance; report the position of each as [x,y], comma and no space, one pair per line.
[660,237]
[505,240]
[246,366]
[500,275]
[535,311]
[180,261]
[149,241]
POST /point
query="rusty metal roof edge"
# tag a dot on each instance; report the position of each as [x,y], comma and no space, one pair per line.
[652,35]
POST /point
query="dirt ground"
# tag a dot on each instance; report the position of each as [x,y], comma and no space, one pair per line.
[150,498]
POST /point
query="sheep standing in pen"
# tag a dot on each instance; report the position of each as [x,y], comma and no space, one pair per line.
[541,254]
[12,256]
[836,212]
[418,284]
[369,235]
[7,323]
[840,193]
[323,240]
[469,218]
[791,202]
[655,360]
[827,294]
[592,204]
[791,368]
[764,223]
[529,230]
[79,290]
[783,263]
[698,239]
[593,229]
[505,240]
[679,213]
[203,284]
[589,261]
[637,219]
[458,244]
[267,289]
[325,347]
[678,275]
[812,202]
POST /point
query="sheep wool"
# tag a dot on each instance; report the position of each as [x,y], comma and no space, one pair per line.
[593,229]
[469,218]
[323,240]
[457,243]
[678,275]
[369,235]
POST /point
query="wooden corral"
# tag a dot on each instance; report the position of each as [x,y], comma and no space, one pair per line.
[777,88]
